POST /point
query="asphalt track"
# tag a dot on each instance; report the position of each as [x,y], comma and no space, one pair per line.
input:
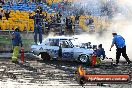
[36,73]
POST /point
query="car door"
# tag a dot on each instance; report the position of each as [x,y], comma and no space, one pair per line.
[67,50]
[53,48]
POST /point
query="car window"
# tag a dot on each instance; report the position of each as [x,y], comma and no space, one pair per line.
[75,42]
[54,42]
[65,44]
[70,44]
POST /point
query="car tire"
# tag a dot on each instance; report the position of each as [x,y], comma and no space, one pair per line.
[83,58]
[81,80]
[45,56]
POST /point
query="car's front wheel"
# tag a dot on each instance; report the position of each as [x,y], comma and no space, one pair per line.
[83,58]
[45,56]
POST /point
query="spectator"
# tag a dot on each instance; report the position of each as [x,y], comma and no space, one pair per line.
[91,21]
[7,13]
[70,26]
[1,14]
[67,22]
[87,22]
[38,23]
[40,9]
[53,19]
[59,17]
[59,5]
[77,18]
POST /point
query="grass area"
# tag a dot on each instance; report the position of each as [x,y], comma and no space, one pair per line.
[7,40]
[28,41]
[6,43]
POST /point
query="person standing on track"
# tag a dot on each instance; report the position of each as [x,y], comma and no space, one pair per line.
[119,42]
[16,42]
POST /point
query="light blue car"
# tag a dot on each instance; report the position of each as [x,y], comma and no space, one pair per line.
[64,47]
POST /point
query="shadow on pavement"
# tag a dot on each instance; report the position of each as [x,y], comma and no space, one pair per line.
[68,66]
[27,66]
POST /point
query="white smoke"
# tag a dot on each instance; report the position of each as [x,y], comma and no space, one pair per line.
[121,23]
[90,6]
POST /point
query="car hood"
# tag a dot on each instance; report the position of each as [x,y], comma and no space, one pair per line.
[34,46]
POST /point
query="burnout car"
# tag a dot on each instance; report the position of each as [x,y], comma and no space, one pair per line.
[52,47]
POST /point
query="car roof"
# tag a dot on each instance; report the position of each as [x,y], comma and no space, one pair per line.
[60,37]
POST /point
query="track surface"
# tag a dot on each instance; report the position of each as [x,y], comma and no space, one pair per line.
[36,73]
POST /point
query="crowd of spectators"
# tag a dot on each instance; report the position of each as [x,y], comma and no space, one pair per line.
[57,20]
[4,14]
[21,1]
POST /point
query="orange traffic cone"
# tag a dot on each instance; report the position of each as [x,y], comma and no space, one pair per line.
[93,59]
[22,55]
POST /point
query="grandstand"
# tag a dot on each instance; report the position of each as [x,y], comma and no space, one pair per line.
[19,15]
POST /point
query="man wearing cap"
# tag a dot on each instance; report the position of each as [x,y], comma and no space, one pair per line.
[16,42]
[119,42]
[100,51]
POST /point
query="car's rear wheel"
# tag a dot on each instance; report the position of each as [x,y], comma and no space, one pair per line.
[83,58]
[45,56]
